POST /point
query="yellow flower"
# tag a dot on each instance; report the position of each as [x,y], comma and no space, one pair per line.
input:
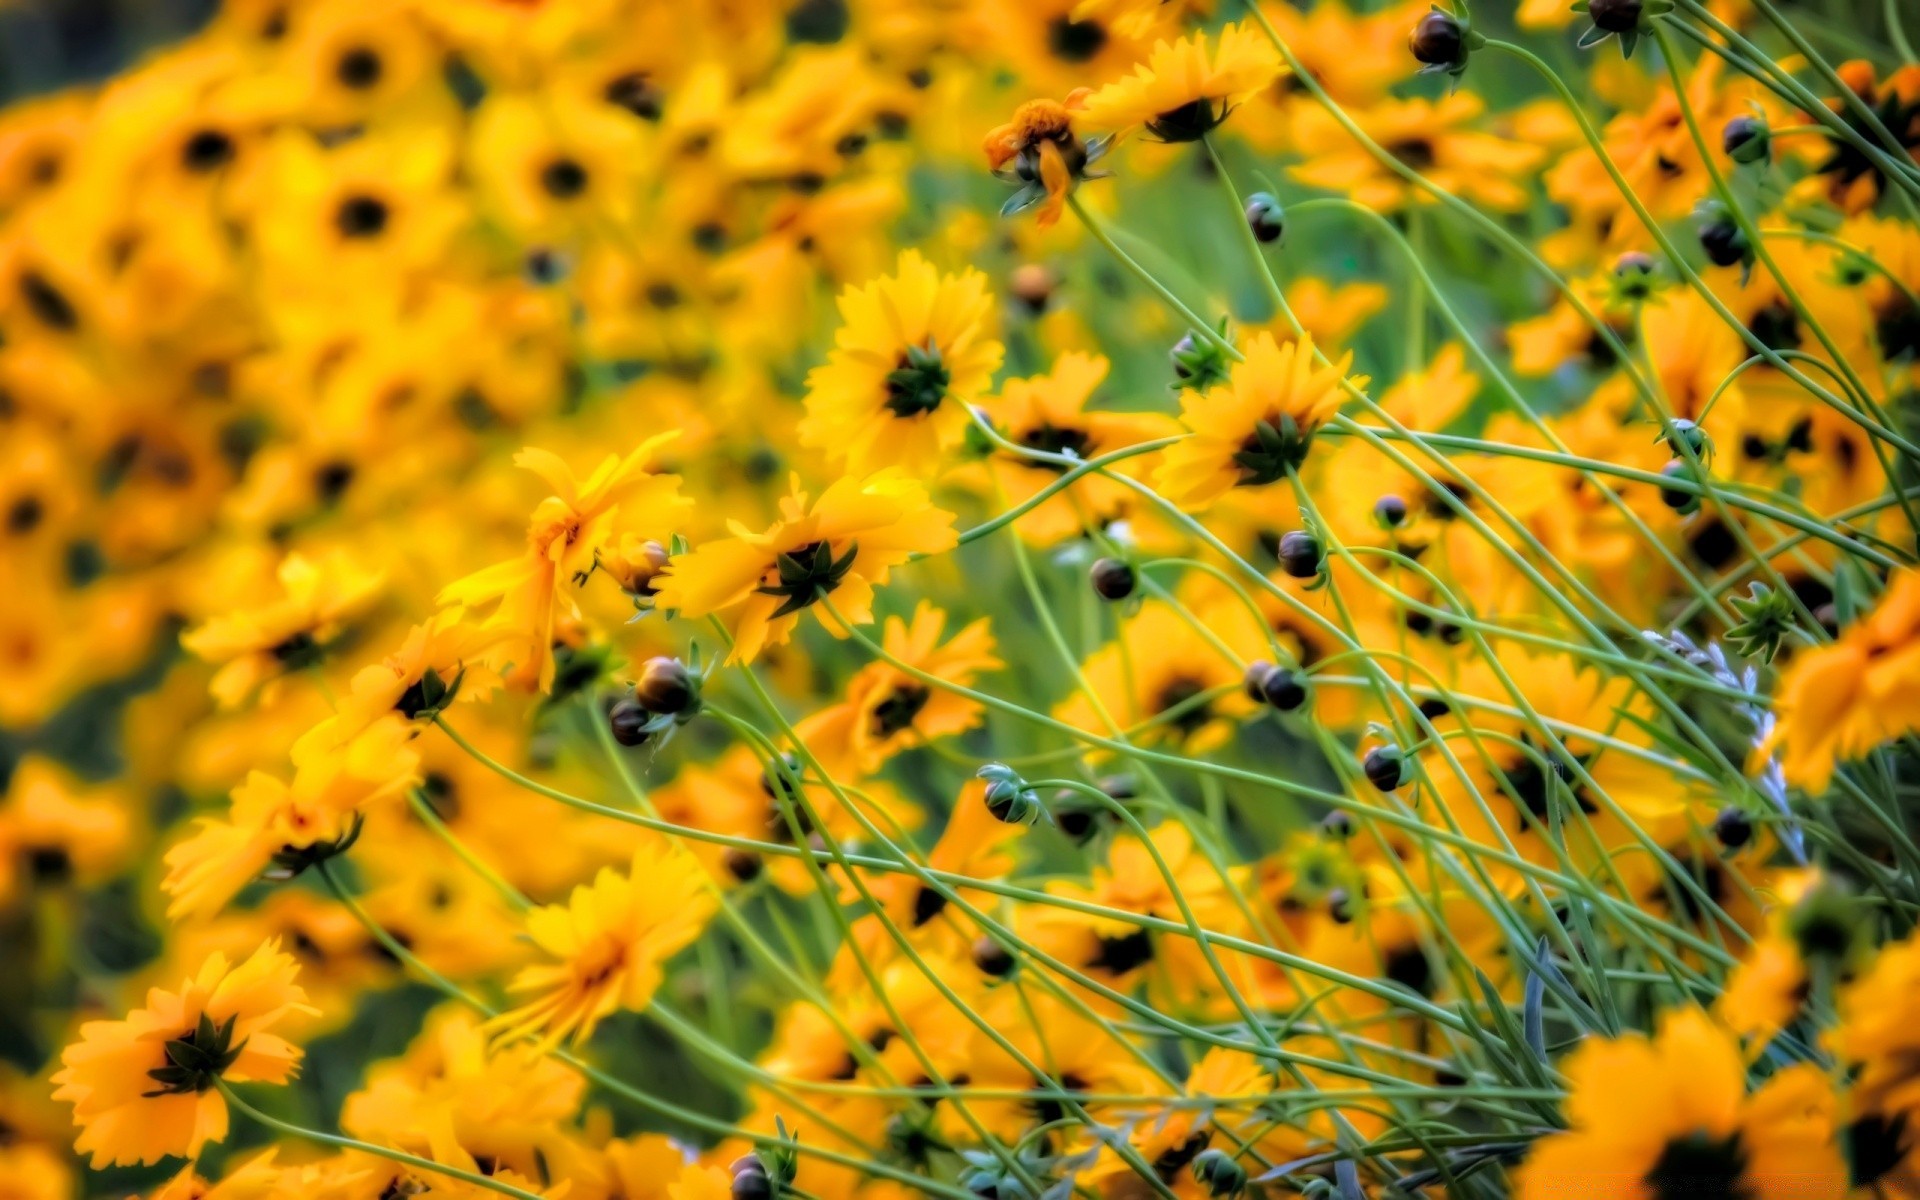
[886,711]
[1049,412]
[1671,1116]
[1181,92]
[842,545]
[912,353]
[336,778]
[1839,701]
[254,645]
[1254,428]
[564,536]
[611,941]
[1878,1044]
[1160,669]
[52,829]
[142,1088]
[1427,135]
[1039,150]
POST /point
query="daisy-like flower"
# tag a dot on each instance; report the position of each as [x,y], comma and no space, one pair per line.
[843,544]
[1431,136]
[1250,430]
[1040,150]
[1182,92]
[143,1088]
[1667,1117]
[1160,669]
[1878,1044]
[886,711]
[1050,413]
[609,944]
[255,645]
[335,779]
[1839,701]
[565,533]
[913,351]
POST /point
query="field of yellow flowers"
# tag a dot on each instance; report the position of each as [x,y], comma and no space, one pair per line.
[1026,599]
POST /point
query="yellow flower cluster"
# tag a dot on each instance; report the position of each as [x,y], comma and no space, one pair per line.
[993,598]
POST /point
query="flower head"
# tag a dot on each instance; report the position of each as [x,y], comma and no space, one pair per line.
[1257,426]
[913,351]
[1837,702]
[841,545]
[143,1087]
[609,944]
[1671,1116]
[1181,92]
[337,776]
[292,631]
[1040,150]
[533,591]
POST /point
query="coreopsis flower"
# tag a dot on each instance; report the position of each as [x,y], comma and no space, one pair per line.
[1839,701]
[54,830]
[255,645]
[1049,412]
[842,545]
[1434,137]
[143,1088]
[1857,181]
[885,710]
[1670,1116]
[1878,1046]
[609,944]
[1182,91]
[337,776]
[914,350]
[1040,150]
[1254,428]
[1160,670]
[534,590]
[503,1105]
[427,672]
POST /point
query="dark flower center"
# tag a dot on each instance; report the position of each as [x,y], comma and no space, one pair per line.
[361,217]
[1119,955]
[563,178]
[1056,439]
[1075,41]
[1182,690]
[635,93]
[359,68]
[207,150]
[1700,1167]
[898,710]
[1414,152]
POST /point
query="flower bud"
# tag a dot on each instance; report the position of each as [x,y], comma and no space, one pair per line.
[1255,680]
[1112,579]
[629,722]
[1615,16]
[1682,430]
[1217,1171]
[1340,906]
[751,1183]
[1266,217]
[1300,554]
[1385,767]
[1733,827]
[665,686]
[1439,40]
[1285,689]
[1679,499]
[1337,824]
[1032,284]
[1390,512]
[1725,242]
[1747,140]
